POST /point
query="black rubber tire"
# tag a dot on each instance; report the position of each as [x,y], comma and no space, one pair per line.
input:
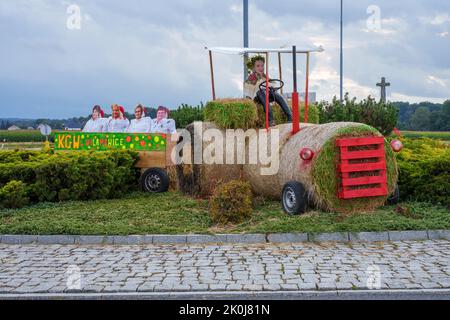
[394,198]
[294,198]
[154,180]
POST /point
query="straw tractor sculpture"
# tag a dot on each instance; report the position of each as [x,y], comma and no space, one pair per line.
[342,166]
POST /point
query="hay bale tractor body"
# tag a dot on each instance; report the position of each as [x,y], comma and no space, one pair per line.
[343,167]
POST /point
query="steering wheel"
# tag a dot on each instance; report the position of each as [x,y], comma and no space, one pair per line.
[262,85]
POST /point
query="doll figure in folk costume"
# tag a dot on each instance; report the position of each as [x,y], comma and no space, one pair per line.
[118,122]
[96,123]
[162,123]
[141,123]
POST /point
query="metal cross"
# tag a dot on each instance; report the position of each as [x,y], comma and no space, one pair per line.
[383,84]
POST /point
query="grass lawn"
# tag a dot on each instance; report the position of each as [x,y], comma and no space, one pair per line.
[173,213]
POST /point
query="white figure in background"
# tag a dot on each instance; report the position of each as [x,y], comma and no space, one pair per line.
[162,123]
[141,123]
[96,123]
[118,122]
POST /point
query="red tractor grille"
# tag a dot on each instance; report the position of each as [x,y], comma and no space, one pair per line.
[362,167]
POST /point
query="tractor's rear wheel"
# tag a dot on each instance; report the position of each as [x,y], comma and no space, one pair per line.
[154,180]
[294,198]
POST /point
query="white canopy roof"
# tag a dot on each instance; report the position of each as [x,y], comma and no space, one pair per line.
[241,51]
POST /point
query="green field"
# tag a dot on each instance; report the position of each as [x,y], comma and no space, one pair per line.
[173,213]
[443,135]
[22,136]
[21,145]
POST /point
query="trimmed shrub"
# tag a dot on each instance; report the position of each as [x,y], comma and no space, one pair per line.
[424,166]
[231,202]
[14,195]
[11,156]
[381,116]
[74,175]
[232,113]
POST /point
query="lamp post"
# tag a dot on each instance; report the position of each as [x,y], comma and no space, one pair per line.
[245,18]
[341,91]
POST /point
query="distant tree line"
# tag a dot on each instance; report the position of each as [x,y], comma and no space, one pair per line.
[423,116]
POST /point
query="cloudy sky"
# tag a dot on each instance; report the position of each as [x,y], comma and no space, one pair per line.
[152,52]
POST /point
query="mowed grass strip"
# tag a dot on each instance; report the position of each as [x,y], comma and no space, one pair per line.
[173,213]
[442,135]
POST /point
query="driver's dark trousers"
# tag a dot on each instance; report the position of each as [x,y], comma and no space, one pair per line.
[278,98]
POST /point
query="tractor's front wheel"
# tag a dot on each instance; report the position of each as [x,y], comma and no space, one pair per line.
[294,198]
[154,180]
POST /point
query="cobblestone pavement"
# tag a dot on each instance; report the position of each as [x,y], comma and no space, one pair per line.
[230,267]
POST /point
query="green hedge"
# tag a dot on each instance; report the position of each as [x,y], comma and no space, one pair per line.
[424,171]
[14,195]
[70,175]
[186,114]
[382,116]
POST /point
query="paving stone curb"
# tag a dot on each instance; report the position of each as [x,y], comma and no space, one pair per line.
[229,238]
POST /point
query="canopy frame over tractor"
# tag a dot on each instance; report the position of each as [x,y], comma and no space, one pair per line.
[265,51]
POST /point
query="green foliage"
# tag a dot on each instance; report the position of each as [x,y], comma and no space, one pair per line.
[19,156]
[424,166]
[14,195]
[381,116]
[70,175]
[231,202]
[424,116]
[421,118]
[186,114]
[232,113]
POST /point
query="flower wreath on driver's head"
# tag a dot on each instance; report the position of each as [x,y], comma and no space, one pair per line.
[252,60]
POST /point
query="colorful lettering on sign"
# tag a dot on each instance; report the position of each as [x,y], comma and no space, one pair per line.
[109,141]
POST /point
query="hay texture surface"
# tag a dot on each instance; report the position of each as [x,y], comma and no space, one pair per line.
[201,179]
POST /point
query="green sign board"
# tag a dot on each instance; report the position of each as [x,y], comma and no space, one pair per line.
[110,141]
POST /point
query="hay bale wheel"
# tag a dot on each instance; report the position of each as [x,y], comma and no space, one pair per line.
[268,185]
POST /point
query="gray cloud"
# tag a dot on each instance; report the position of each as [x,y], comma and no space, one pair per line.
[152,52]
